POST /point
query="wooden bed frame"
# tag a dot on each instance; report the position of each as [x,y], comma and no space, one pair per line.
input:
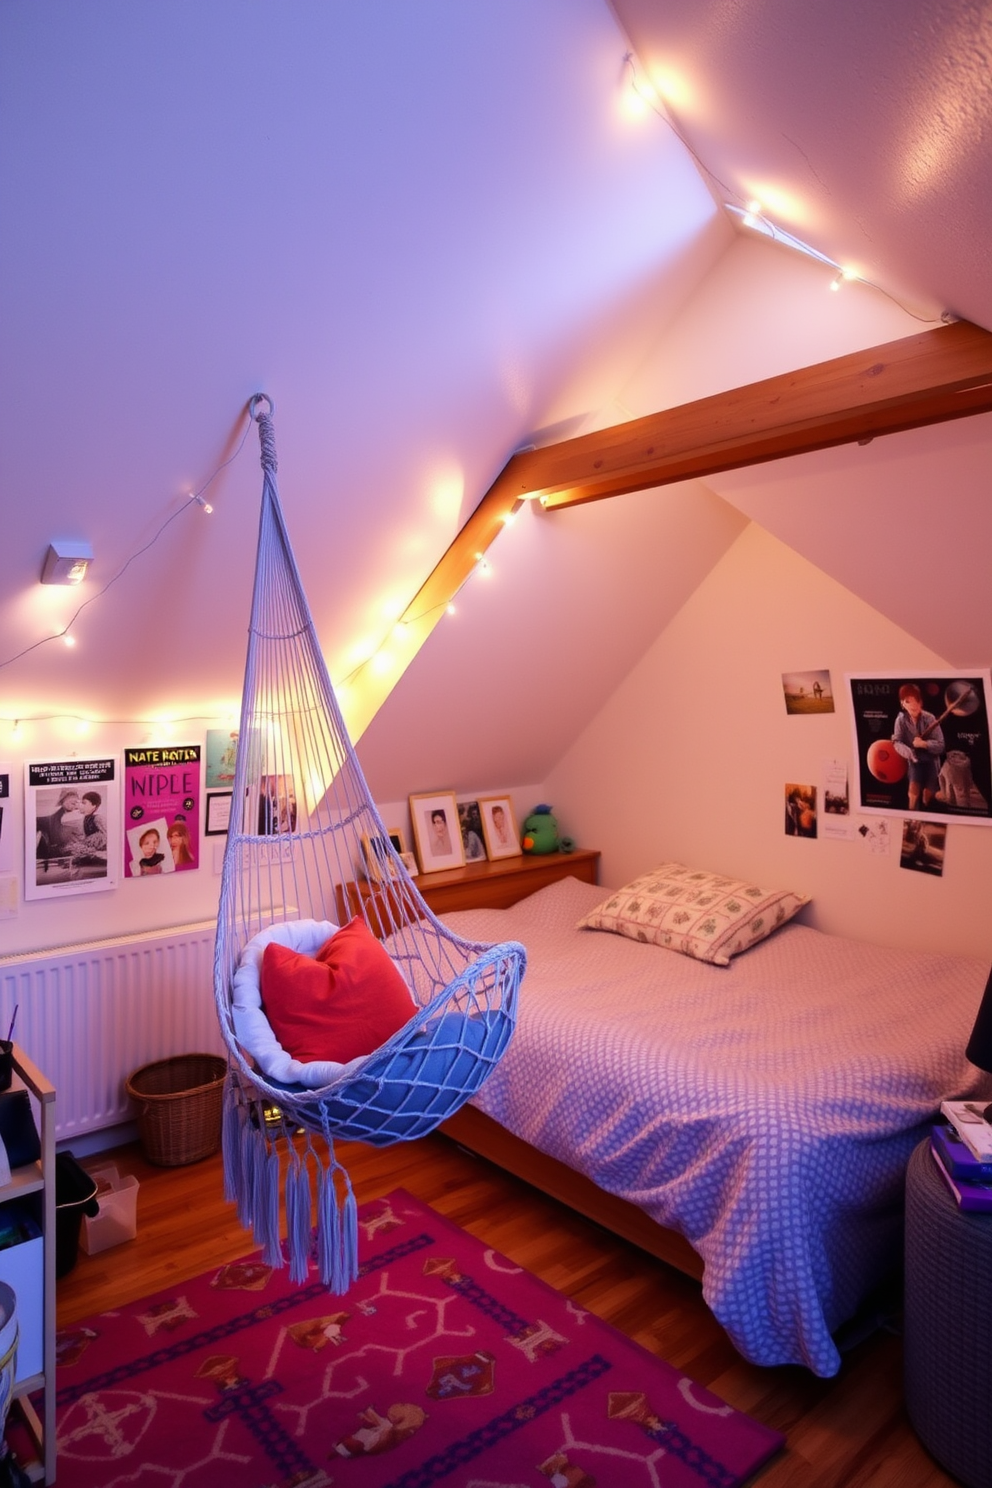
[479,1133]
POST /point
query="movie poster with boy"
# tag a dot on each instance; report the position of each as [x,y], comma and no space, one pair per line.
[922,744]
[161,810]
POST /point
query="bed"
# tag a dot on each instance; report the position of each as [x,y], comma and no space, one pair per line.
[764,1111]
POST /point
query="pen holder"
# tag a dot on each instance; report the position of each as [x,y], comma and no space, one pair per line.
[6,1063]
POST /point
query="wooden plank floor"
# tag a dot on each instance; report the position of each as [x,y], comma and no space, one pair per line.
[849,1432]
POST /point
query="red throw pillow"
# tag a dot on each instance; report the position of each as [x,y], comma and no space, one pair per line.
[344,1003]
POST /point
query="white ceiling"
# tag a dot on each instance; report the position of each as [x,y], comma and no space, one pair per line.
[865,129]
[433,233]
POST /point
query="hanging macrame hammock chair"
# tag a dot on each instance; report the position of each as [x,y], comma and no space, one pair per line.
[302,829]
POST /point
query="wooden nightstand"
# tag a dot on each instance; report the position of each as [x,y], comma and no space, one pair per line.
[485,885]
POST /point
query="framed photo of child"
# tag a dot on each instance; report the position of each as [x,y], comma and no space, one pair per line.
[921,743]
[499,827]
[436,832]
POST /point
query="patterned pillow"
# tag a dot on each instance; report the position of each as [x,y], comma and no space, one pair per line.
[700,914]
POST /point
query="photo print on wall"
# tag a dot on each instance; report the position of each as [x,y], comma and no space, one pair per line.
[800,810]
[71,821]
[922,744]
[923,846]
[162,810]
[808,692]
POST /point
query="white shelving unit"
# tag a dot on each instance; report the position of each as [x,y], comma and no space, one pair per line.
[30,1269]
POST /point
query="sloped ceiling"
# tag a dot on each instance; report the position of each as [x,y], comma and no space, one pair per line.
[570,603]
[863,129]
[432,235]
[426,231]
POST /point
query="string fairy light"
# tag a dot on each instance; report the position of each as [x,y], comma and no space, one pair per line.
[195,498]
[749,211]
[380,659]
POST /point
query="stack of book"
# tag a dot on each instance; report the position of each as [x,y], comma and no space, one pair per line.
[961,1146]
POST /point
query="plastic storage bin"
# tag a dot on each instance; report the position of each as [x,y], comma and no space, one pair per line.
[117,1220]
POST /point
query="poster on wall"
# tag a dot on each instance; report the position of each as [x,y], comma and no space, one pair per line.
[922,744]
[71,824]
[6,820]
[221,756]
[161,810]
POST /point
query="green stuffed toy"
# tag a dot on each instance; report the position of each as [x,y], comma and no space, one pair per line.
[541,833]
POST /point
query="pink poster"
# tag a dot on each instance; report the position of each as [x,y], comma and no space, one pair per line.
[161,810]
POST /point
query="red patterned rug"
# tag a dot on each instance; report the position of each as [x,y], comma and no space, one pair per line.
[446,1363]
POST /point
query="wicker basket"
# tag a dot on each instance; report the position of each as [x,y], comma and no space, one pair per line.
[179,1107]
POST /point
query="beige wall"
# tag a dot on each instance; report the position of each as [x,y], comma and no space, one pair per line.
[689,757]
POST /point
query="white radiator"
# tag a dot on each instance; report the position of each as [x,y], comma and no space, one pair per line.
[89,1015]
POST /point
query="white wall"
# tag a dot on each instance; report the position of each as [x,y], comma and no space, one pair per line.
[689,758]
[135,906]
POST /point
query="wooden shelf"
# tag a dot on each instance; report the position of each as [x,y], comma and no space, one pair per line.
[487,885]
[37,1177]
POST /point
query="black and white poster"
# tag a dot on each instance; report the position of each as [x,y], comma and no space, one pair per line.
[71,821]
[922,744]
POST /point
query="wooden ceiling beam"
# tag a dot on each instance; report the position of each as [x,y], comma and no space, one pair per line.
[924,379]
[927,378]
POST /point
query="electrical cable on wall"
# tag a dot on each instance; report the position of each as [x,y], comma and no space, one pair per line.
[195,498]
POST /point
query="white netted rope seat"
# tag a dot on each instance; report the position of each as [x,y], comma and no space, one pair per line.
[301,812]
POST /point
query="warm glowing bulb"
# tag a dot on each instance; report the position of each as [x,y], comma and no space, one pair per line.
[848,274]
[450,609]
[508,518]
[382,662]
[836,282]
[205,504]
[754,207]
[70,640]
[83,726]
[635,105]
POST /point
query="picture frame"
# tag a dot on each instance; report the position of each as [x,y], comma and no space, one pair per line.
[948,778]
[473,837]
[218,817]
[377,864]
[436,833]
[277,805]
[499,827]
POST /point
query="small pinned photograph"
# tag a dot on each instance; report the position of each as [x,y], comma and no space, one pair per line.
[923,843]
[800,810]
[807,692]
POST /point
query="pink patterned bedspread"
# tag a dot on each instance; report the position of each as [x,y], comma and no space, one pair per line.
[766,1109]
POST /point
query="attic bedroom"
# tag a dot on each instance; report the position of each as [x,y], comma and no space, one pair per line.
[470,260]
